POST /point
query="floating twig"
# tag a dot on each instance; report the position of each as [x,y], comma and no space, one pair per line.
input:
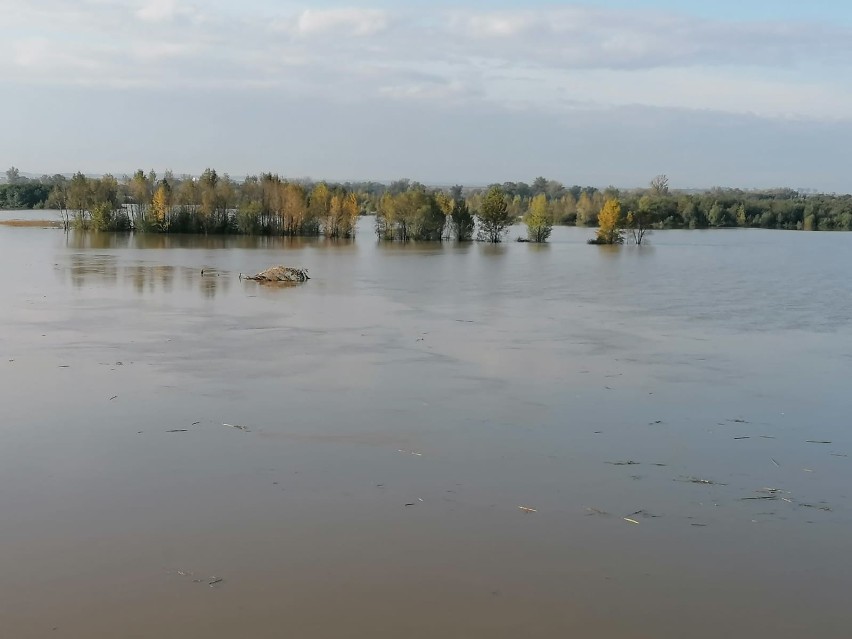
[824,507]
[527,509]
[699,480]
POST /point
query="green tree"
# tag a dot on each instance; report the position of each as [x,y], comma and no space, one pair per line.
[58,199]
[742,218]
[538,219]
[494,217]
[639,220]
[13,175]
[462,220]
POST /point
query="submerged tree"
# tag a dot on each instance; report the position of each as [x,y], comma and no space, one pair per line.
[462,220]
[639,220]
[538,219]
[494,217]
[415,214]
[609,224]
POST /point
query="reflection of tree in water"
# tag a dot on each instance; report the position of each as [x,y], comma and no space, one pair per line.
[92,267]
[85,240]
[104,269]
[142,277]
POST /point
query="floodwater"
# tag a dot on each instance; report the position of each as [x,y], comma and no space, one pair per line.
[656,407]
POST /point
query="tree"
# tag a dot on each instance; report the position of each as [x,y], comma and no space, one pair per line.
[494,217]
[538,219]
[742,218]
[294,209]
[586,211]
[79,198]
[13,175]
[716,215]
[414,214]
[462,221]
[639,220]
[609,221]
[58,199]
[141,190]
[660,186]
[160,205]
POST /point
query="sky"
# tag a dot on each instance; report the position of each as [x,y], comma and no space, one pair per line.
[747,93]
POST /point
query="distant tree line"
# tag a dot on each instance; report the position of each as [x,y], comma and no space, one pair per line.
[406,210]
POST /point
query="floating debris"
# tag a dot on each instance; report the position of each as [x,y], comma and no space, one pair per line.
[737,421]
[595,511]
[742,437]
[699,480]
[824,507]
[113,397]
[629,462]
[238,427]
[279,274]
[775,462]
[195,423]
[527,509]
[815,441]
[761,498]
[631,521]
[216,580]
[645,514]
[409,452]
[178,430]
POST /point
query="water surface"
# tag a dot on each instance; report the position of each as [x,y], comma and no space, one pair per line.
[396,411]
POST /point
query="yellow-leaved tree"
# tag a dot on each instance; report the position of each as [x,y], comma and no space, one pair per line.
[538,219]
[609,224]
[160,206]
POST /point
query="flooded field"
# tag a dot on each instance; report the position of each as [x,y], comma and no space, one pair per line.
[426,441]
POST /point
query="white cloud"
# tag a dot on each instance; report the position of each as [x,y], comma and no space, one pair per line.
[545,58]
[358,22]
[454,90]
[158,10]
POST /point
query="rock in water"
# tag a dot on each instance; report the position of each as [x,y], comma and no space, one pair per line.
[281,274]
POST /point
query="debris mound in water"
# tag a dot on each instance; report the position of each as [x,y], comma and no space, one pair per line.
[280,274]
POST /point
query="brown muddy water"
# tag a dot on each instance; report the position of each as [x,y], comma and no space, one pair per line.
[656,407]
